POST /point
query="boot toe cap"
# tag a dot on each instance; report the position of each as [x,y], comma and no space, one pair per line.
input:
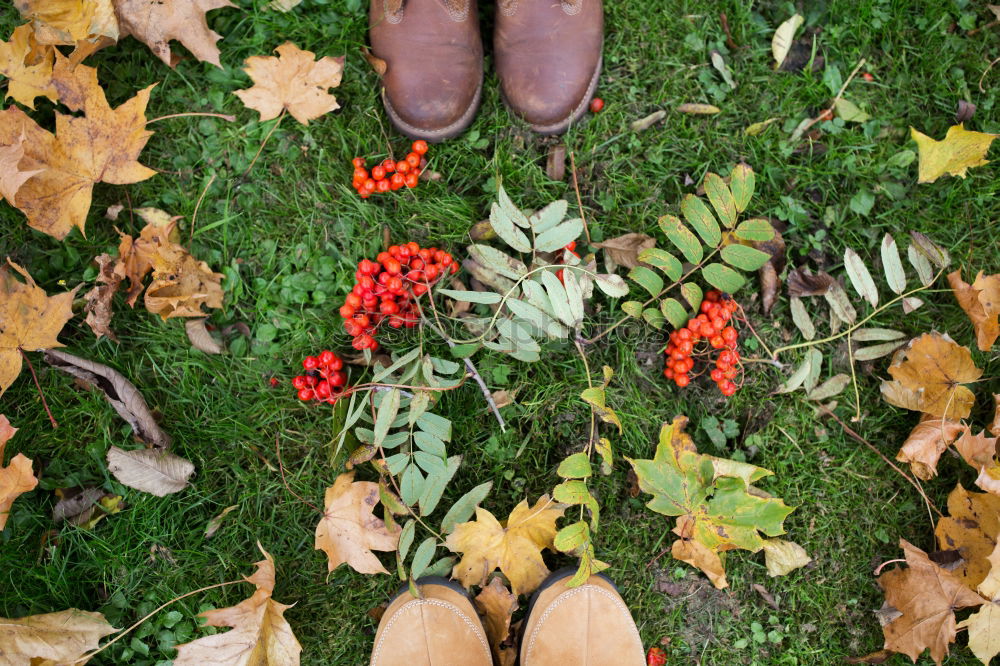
[432,111]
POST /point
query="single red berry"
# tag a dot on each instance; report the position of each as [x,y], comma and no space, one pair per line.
[412,180]
[420,147]
[403,167]
[413,160]
[305,394]
[716,375]
[382,185]
[369,186]
[681,380]
[326,357]
[360,174]
[338,379]
[389,165]
[867,76]
[323,390]
[596,105]
[310,363]
[392,267]
[397,181]
[358,162]
[298,383]
[656,657]
[378,172]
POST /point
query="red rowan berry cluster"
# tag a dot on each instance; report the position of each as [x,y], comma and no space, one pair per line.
[712,326]
[389,174]
[324,379]
[387,288]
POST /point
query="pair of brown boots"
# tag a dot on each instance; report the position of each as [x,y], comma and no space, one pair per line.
[587,625]
[547,55]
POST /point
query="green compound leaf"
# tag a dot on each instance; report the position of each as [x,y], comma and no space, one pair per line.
[723,278]
[716,507]
[743,257]
[674,312]
[701,219]
[596,397]
[755,229]
[647,279]
[722,199]
[682,238]
[741,183]
[666,262]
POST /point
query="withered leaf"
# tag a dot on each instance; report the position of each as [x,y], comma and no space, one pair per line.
[52,638]
[555,165]
[972,528]
[11,175]
[981,302]
[624,250]
[120,392]
[294,81]
[16,478]
[926,442]
[200,338]
[802,282]
[157,22]
[30,320]
[74,502]
[69,21]
[349,532]
[497,605]
[977,450]
[928,375]
[27,66]
[260,634]
[152,471]
[98,308]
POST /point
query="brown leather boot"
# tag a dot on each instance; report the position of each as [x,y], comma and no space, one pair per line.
[434,57]
[583,626]
[548,58]
[442,629]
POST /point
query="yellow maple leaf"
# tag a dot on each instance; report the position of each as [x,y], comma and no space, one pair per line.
[516,548]
[69,21]
[981,302]
[928,375]
[960,150]
[30,320]
[260,633]
[15,479]
[294,81]
[28,66]
[12,177]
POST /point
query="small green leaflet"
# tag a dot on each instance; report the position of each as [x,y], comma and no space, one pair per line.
[861,279]
[422,558]
[435,485]
[559,236]
[741,183]
[411,484]
[386,414]
[481,297]
[647,279]
[507,230]
[466,505]
[497,261]
[682,238]
[895,275]
[755,229]
[692,294]
[663,260]
[701,219]
[577,466]
[612,285]
[512,212]
[744,257]
[632,308]
[653,317]
[549,216]
[723,278]
[674,312]
[721,199]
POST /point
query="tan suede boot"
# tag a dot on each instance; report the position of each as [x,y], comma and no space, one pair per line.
[581,626]
[548,58]
[434,56]
[442,629]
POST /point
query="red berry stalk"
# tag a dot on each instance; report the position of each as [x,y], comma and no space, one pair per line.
[323,380]
[389,174]
[711,326]
[387,290]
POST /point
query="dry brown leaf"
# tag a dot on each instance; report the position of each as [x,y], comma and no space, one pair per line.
[215,523]
[27,66]
[348,531]
[782,557]
[200,338]
[16,478]
[99,311]
[379,66]
[103,145]
[52,639]
[994,426]
[69,21]
[990,587]
[802,282]
[497,605]
[977,450]
[989,478]
[11,175]
[120,392]
[157,22]
[30,320]
[294,81]
[981,302]
[926,597]
[928,375]
[515,547]
[972,529]
[150,470]
[702,557]
[555,164]
[698,109]
[926,442]
[260,636]
[502,398]
[624,250]
[645,123]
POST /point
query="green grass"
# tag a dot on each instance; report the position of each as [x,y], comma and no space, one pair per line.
[294,221]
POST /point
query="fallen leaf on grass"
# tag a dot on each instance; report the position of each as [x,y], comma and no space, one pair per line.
[803,282]
[656,116]
[515,547]
[152,471]
[497,605]
[294,81]
[69,21]
[30,320]
[977,450]
[716,506]
[719,63]
[964,111]
[766,596]
[99,310]
[16,478]
[981,302]
[759,128]
[349,532]
[624,250]
[120,392]
[850,112]
[215,523]
[972,528]
[283,5]
[27,66]
[984,632]
[926,596]
[782,557]
[555,166]
[781,42]
[200,338]
[379,66]
[502,398]
[260,636]
[699,109]
[51,638]
[959,151]
[85,507]
[11,175]
[926,442]
[156,22]
[928,375]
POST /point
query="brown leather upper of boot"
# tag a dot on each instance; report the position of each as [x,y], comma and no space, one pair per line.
[581,626]
[548,58]
[442,629]
[434,57]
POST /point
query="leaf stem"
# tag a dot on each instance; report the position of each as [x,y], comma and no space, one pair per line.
[590,384]
[746,320]
[228,118]
[39,387]
[579,200]
[197,206]
[399,493]
[854,380]
[277,450]
[264,143]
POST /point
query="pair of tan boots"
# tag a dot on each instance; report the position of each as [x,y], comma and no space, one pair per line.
[587,625]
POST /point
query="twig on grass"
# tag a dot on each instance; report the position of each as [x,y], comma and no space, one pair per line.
[194,216]
[39,387]
[224,116]
[579,200]
[833,104]
[277,450]
[263,143]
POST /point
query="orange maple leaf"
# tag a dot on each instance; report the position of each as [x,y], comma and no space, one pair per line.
[28,66]
[294,81]
[928,375]
[981,302]
[15,479]
[30,320]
